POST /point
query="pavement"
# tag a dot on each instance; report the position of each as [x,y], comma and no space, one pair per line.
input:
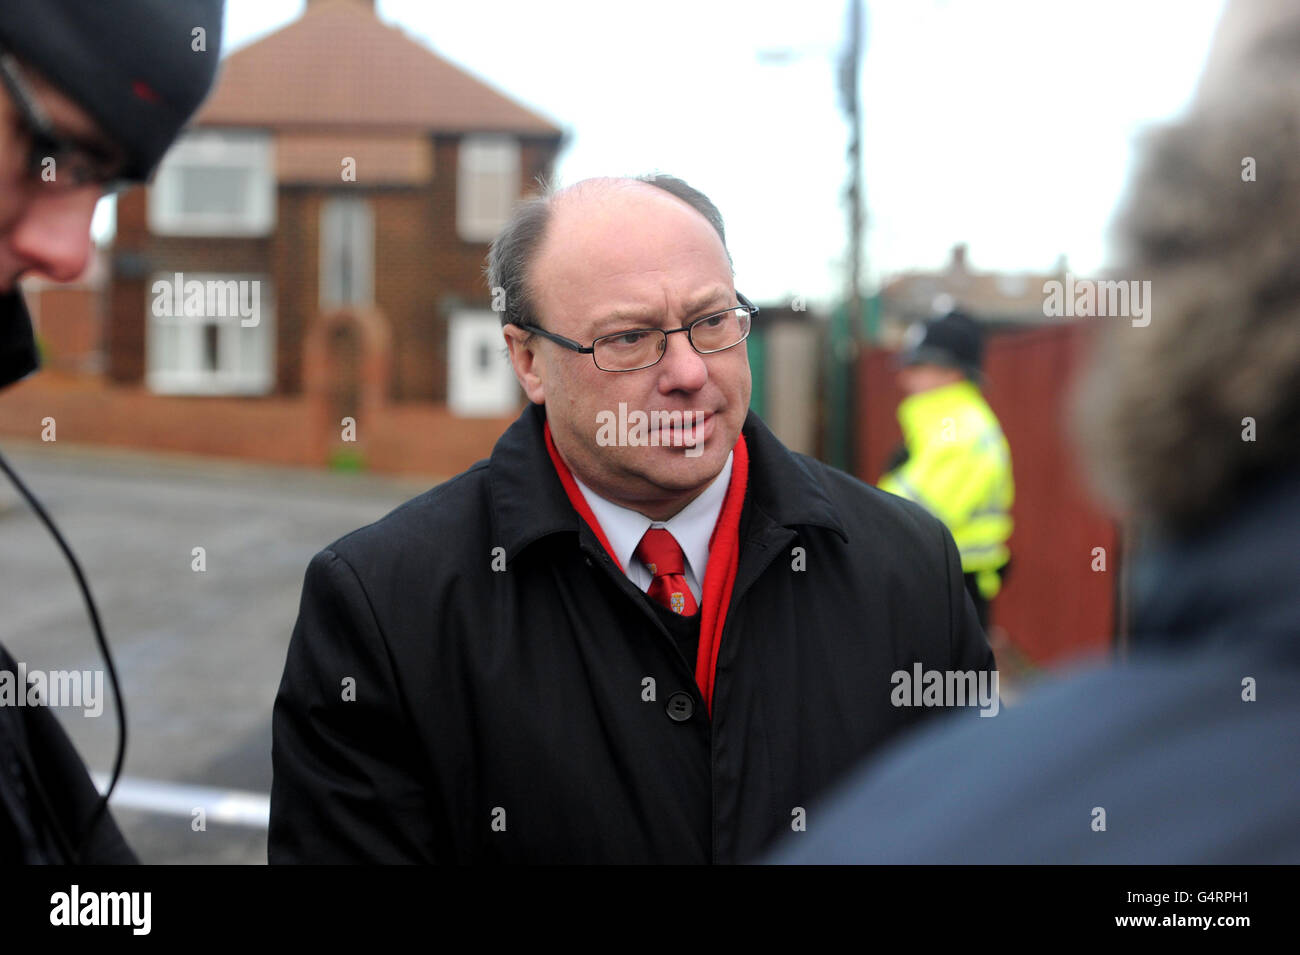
[199,653]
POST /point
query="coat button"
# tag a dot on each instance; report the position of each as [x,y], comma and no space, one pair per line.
[681,707]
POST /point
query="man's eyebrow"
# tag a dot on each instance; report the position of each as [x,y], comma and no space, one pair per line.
[618,318]
[714,296]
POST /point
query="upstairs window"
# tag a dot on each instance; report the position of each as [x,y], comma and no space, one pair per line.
[215,184]
[487,185]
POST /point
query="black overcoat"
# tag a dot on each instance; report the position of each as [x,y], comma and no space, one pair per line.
[473,679]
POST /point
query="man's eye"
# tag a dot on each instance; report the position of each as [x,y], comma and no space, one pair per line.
[627,339]
[94,169]
[713,321]
[58,167]
[82,170]
[74,168]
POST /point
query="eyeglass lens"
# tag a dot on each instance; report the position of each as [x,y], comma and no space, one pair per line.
[639,348]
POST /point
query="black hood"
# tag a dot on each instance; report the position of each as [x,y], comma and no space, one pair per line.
[136,66]
[18,355]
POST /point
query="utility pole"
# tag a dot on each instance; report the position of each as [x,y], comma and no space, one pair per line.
[846,320]
[850,72]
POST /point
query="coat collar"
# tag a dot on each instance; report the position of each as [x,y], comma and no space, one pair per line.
[529,503]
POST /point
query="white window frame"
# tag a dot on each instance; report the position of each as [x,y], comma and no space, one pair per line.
[487,185]
[247,352]
[250,150]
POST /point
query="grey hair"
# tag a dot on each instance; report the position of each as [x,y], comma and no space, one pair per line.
[515,247]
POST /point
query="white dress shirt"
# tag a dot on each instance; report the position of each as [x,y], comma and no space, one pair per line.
[692,527]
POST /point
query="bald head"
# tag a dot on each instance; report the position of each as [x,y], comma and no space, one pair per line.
[513,253]
[611,230]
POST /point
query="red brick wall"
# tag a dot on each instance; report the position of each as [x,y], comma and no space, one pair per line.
[69,324]
[418,438]
[295,272]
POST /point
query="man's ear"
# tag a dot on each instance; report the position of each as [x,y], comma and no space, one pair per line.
[526,363]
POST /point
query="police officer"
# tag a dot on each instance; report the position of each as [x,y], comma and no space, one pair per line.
[955,462]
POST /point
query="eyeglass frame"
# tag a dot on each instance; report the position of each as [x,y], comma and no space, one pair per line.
[581,349]
[47,142]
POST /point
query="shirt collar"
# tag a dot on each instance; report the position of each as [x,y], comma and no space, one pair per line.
[692,526]
[527,501]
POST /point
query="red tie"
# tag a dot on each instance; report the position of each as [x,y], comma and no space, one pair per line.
[662,555]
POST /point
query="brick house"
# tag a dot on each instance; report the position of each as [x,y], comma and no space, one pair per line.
[352,179]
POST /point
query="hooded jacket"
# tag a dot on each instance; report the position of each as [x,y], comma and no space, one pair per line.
[472,678]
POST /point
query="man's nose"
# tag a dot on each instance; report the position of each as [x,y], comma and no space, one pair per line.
[53,235]
[682,368]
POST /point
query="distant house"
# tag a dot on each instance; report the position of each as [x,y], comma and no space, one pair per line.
[996,298]
[351,179]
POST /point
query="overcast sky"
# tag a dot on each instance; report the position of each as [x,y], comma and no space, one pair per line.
[1007,124]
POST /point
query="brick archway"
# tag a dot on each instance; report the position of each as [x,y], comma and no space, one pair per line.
[347,368]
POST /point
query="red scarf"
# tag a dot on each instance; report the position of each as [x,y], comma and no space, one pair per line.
[724,556]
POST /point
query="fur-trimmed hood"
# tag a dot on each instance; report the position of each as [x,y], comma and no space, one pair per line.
[1180,416]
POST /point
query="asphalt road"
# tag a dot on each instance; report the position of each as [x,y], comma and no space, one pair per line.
[199,653]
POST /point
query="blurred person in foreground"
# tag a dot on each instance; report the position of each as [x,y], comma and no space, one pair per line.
[1191,747]
[593,647]
[955,461]
[91,96]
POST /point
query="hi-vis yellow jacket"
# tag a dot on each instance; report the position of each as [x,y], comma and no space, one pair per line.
[959,469]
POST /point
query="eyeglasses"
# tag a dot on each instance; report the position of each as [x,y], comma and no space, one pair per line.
[74,164]
[637,348]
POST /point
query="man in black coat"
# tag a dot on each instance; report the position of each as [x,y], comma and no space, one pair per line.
[613,641]
[91,96]
[1188,752]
